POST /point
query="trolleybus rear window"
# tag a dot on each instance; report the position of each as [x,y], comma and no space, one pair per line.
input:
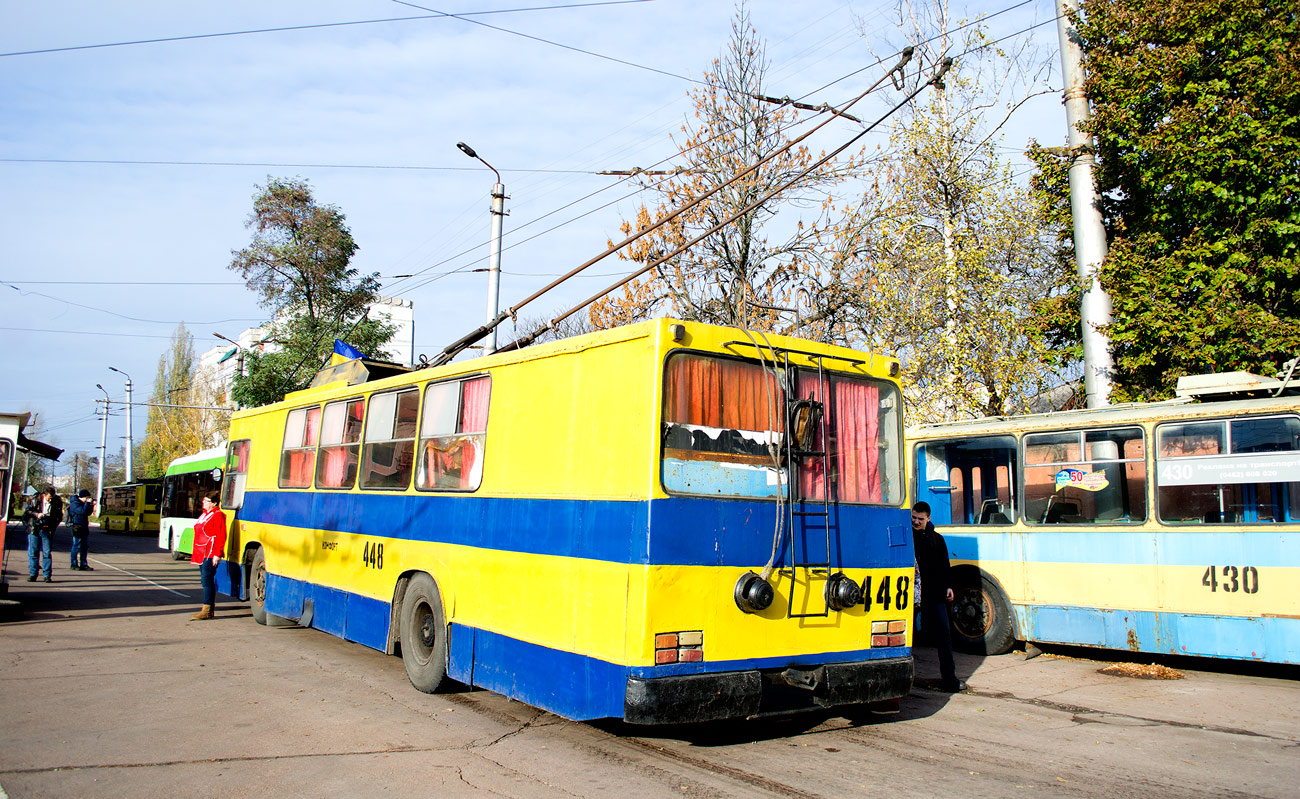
[232,497]
[722,432]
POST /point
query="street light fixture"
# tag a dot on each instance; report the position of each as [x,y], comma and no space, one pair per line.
[103,442]
[494,252]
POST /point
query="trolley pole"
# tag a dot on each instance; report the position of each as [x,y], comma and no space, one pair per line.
[1089,232]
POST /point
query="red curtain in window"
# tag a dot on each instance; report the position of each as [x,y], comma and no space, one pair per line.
[311,430]
[731,395]
[474,405]
[854,411]
[336,466]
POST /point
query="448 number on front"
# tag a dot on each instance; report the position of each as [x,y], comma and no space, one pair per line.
[373,556]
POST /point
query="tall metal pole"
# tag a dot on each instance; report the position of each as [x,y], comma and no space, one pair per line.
[494,248]
[1089,232]
[130,478]
[494,263]
[103,442]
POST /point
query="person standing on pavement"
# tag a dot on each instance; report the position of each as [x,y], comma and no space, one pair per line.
[80,509]
[209,549]
[935,574]
[40,537]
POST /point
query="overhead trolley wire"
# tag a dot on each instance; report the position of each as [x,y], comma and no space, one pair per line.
[528,339]
[434,15]
[456,347]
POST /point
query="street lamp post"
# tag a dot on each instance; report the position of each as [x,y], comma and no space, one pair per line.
[103,442]
[494,251]
[129,474]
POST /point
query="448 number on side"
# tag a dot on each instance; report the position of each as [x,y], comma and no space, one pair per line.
[373,556]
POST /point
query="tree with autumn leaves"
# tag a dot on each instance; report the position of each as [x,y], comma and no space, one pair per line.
[939,259]
[727,276]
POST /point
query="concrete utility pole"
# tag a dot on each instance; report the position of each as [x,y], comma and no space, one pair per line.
[103,442]
[1089,232]
[494,247]
[129,446]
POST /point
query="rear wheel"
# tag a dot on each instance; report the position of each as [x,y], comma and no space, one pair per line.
[981,616]
[424,634]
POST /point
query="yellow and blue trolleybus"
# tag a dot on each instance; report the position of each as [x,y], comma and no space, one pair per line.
[663,522]
[1169,527]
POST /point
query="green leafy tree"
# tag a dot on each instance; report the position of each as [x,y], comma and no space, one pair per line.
[299,264]
[1196,113]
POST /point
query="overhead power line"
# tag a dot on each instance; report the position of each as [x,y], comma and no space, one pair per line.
[412,167]
[434,15]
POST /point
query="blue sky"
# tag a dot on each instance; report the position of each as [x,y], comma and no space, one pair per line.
[102,260]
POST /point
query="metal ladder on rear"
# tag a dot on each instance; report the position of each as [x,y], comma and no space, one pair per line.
[807,512]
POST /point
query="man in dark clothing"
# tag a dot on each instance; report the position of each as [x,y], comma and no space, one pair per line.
[40,541]
[934,584]
[80,509]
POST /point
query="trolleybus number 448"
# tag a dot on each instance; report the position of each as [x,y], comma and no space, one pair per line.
[1244,579]
[883,595]
[373,556]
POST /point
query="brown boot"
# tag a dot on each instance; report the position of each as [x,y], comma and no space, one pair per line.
[205,612]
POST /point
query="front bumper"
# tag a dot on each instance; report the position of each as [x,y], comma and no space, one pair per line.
[740,694]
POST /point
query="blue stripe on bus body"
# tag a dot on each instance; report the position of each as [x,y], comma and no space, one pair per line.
[1257,547]
[1260,638]
[686,531]
[573,685]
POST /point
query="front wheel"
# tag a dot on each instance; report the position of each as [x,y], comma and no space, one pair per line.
[981,617]
[424,634]
[171,544]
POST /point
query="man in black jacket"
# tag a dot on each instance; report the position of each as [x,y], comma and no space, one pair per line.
[80,509]
[935,586]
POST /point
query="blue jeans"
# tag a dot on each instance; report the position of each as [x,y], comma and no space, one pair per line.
[80,534]
[38,542]
[208,576]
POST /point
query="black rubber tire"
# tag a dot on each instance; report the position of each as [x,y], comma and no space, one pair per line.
[171,544]
[424,634]
[981,616]
[257,587]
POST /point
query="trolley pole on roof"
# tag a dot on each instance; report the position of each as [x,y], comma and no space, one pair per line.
[1089,232]
[494,248]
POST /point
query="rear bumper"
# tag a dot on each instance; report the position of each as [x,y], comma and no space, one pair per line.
[740,694]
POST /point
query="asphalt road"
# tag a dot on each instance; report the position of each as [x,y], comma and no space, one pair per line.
[109,690]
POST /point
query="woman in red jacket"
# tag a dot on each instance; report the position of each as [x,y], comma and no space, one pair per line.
[209,549]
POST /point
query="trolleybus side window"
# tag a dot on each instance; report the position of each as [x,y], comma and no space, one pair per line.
[301,429]
[232,489]
[861,419]
[453,432]
[1085,477]
[340,444]
[1229,471]
[719,417]
[388,452]
[969,480]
